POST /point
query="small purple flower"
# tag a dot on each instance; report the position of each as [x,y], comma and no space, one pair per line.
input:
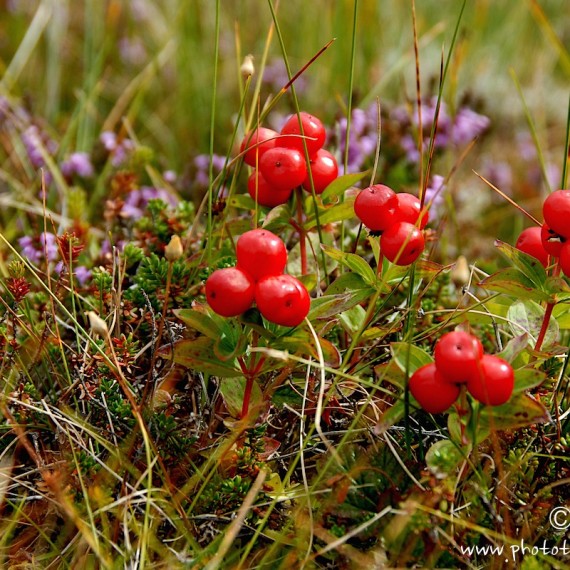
[132,51]
[79,163]
[48,242]
[468,125]
[202,164]
[137,200]
[82,274]
[275,75]
[434,195]
[29,249]
[119,150]
[169,176]
[33,143]
[500,174]
[35,249]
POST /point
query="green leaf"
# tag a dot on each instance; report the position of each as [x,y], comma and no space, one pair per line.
[527,316]
[353,262]
[332,214]
[424,269]
[520,411]
[233,390]
[352,319]
[199,319]
[527,378]
[514,283]
[340,184]
[391,417]
[514,347]
[199,355]
[409,357]
[277,218]
[350,281]
[530,267]
[301,342]
[329,306]
[242,201]
[231,342]
[443,457]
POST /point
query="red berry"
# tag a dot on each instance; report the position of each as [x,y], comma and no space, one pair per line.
[282,299]
[263,193]
[409,210]
[556,211]
[564,260]
[312,127]
[283,168]
[261,253]
[375,207]
[551,241]
[458,356]
[530,241]
[494,383]
[324,169]
[255,145]
[432,393]
[402,243]
[229,291]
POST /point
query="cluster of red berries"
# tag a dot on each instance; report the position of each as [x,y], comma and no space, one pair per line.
[459,359]
[279,160]
[399,218]
[258,277]
[553,237]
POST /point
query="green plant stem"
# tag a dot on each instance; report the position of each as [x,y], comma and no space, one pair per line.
[301,230]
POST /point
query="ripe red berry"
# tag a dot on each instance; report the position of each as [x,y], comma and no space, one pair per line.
[402,243]
[551,241]
[375,207]
[530,241]
[261,253]
[432,393]
[312,128]
[324,169]
[257,143]
[564,260]
[409,210]
[283,168]
[263,193]
[556,212]
[229,291]
[458,356]
[494,383]
[282,299]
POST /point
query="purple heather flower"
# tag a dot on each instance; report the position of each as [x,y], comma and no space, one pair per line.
[79,163]
[202,164]
[132,51]
[169,176]
[468,125]
[137,200]
[275,75]
[119,151]
[499,174]
[434,195]
[82,274]
[36,248]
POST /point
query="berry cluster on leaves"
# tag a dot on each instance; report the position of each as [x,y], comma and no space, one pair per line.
[460,360]
[259,277]
[279,160]
[550,239]
[398,217]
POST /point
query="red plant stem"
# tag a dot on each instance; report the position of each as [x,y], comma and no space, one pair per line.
[547,315]
[544,327]
[302,232]
[247,394]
